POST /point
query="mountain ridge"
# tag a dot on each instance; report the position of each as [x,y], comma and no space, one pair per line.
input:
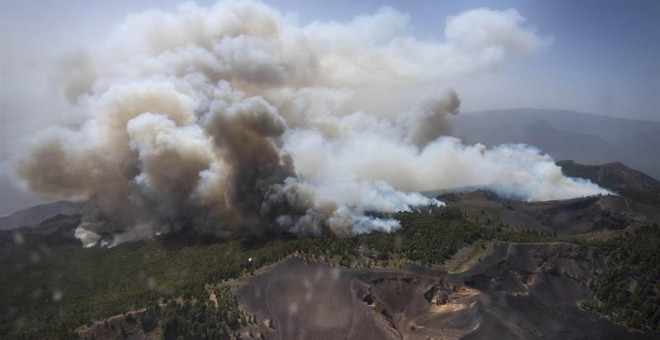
[33,215]
[583,137]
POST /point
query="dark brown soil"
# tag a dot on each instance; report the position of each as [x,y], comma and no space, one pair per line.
[521,291]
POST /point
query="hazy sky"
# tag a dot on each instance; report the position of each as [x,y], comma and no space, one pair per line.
[604,59]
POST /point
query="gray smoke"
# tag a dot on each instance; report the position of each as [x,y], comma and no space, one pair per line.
[236,120]
[432,123]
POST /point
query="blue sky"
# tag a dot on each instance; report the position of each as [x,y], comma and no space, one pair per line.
[604,59]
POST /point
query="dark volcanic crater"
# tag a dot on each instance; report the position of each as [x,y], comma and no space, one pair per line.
[521,291]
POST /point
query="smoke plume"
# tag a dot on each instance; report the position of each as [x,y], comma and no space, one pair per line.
[235,119]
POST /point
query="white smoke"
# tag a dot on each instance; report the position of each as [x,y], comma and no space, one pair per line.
[235,119]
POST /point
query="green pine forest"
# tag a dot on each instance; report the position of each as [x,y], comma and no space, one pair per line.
[51,285]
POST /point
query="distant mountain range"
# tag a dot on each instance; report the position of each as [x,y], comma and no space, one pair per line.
[32,216]
[582,137]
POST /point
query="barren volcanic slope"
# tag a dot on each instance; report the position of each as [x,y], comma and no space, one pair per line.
[238,170]
[521,291]
[481,267]
[518,291]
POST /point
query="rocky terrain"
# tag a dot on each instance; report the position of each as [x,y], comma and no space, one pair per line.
[520,291]
[482,267]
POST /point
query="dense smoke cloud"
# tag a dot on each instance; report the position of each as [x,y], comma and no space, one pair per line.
[236,120]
